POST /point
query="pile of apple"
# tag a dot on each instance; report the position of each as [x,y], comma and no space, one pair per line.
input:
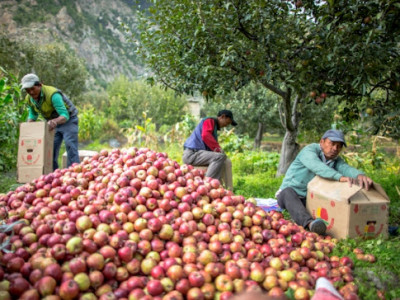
[134,224]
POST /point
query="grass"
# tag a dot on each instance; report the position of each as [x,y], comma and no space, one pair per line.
[381,276]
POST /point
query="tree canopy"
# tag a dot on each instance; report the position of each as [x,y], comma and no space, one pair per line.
[347,49]
[53,63]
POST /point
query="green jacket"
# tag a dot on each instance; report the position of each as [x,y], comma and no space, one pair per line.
[309,163]
[52,103]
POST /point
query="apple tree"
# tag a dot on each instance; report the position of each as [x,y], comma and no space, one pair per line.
[302,51]
[53,63]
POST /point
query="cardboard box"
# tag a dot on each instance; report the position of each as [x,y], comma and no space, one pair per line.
[35,151]
[82,155]
[349,211]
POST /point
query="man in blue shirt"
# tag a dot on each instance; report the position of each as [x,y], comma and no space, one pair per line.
[316,159]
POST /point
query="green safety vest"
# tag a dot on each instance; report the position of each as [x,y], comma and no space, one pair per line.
[46,108]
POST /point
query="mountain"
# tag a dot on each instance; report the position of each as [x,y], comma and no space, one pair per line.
[91,28]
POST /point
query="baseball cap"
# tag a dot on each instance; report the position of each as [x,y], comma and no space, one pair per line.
[227,113]
[29,80]
[334,136]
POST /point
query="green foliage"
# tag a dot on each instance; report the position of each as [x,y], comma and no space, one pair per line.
[232,143]
[250,105]
[178,133]
[327,47]
[255,162]
[143,136]
[128,99]
[97,98]
[53,63]
[256,185]
[8,181]
[271,42]
[316,119]
[254,174]
[97,145]
[91,123]
[11,114]
[59,67]
[367,161]
[390,182]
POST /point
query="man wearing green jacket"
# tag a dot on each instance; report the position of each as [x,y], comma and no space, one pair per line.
[59,112]
[316,159]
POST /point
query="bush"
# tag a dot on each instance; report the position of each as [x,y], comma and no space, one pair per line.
[11,114]
[255,162]
[129,99]
[91,123]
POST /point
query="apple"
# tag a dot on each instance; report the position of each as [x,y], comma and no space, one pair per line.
[196,279]
[83,281]
[69,290]
[223,283]
[95,261]
[194,293]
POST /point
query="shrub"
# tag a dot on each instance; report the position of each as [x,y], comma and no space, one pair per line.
[12,113]
[91,123]
[255,162]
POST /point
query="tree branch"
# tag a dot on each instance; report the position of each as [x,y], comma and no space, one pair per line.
[274,89]
[241,27]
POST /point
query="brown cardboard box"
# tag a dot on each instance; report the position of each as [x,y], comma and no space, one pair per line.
[35,151]
[82,155]
[349,211]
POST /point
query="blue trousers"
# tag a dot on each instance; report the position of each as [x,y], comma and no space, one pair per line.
[69,133]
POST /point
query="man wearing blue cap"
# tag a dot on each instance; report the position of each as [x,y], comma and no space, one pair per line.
[316,159]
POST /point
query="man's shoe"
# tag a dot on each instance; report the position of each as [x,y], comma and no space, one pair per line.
[318,226]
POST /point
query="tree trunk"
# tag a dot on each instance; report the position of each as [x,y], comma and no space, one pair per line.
[288,152]
[290,119]
[259,135]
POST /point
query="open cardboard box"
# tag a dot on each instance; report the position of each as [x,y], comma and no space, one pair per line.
[349,211]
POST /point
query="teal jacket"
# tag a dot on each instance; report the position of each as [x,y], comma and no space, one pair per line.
[309,163]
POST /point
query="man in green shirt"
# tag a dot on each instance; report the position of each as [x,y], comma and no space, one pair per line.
[59,112]
[316,159]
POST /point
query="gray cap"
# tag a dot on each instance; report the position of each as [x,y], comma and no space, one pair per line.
[29,81]
[334,136]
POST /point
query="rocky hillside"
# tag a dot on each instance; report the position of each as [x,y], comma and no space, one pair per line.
[89,27]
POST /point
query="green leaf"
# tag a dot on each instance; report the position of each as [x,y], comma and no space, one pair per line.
[8,98]
[2,83]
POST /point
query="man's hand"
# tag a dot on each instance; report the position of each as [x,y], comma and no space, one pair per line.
[361,180]
[52,124]
[364,181]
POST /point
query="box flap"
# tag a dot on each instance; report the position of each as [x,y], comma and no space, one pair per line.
[380,190]
[33,129]
[374,194]
[336,189]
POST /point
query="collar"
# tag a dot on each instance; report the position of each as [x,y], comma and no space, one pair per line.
[327,162]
